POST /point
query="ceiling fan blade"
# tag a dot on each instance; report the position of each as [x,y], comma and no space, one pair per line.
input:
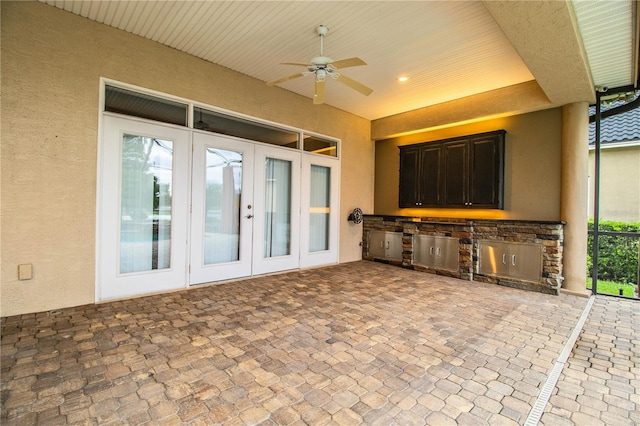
[354,85]
[282,80]
[294,63]
[351,62]
[318,94]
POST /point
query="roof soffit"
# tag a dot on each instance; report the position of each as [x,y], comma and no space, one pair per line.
[546,36]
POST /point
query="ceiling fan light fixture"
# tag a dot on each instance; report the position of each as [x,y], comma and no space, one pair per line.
[323,66]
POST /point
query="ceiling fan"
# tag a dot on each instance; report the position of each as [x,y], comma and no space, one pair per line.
[324,67]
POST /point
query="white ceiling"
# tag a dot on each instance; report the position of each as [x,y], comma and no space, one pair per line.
[448,49]
[609,40]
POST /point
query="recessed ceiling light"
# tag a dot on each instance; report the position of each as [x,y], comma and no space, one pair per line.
[403,79]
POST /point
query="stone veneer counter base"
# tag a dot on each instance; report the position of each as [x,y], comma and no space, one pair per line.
[549,235]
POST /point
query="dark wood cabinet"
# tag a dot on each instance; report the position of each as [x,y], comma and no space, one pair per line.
[465,172]
[420,176]
[409,173]
[486,188]
[456,173]
[430,165]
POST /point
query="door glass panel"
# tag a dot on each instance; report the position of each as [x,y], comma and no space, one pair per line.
[277,209]
[222,206]
[145,205]
[319,208]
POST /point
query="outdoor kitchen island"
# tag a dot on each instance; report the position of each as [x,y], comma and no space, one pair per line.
[514,253]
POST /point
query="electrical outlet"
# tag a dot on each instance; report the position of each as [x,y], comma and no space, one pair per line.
[25,271]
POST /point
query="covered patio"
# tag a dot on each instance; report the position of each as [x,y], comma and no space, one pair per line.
[355,343]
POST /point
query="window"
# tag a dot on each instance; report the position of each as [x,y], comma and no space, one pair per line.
[235,126]
[156,107]
[320,145]
[127,102]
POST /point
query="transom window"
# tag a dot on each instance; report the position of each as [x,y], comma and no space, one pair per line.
[155,107]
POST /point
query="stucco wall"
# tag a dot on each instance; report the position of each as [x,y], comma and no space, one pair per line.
[619,183]
[51,65]
[532,168]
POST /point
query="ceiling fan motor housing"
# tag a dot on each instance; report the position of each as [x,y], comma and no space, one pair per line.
[322,30]
[321,60]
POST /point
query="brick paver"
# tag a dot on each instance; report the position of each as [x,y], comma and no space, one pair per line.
[600,383]
[357,343]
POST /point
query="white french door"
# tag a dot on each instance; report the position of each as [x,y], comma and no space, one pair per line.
[232,209]
[221,208]
[245,209]
[142,208]
[276,236]
[319,211]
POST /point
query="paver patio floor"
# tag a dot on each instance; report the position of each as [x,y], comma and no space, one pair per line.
[600,383]
[356,343]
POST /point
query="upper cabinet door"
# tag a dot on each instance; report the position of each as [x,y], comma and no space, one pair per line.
[456,174]
[409,177]
[486,187]
[431,176]
[421,176]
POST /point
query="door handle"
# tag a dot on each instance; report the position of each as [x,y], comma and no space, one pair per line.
[249,216]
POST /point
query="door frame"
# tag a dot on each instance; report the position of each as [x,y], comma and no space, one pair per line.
[100,179]
[109,209]
[228,270]
[310,259]
[261,264]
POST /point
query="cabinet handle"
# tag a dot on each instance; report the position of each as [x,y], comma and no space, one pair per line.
[431,251]
[513,260]
[387,244]
[381,244]
[504,258]
[437,251]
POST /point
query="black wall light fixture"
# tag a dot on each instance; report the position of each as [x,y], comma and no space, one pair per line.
[355,216]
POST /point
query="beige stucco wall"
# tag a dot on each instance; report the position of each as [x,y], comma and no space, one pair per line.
[532,168]
[619,183]
[51,65]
